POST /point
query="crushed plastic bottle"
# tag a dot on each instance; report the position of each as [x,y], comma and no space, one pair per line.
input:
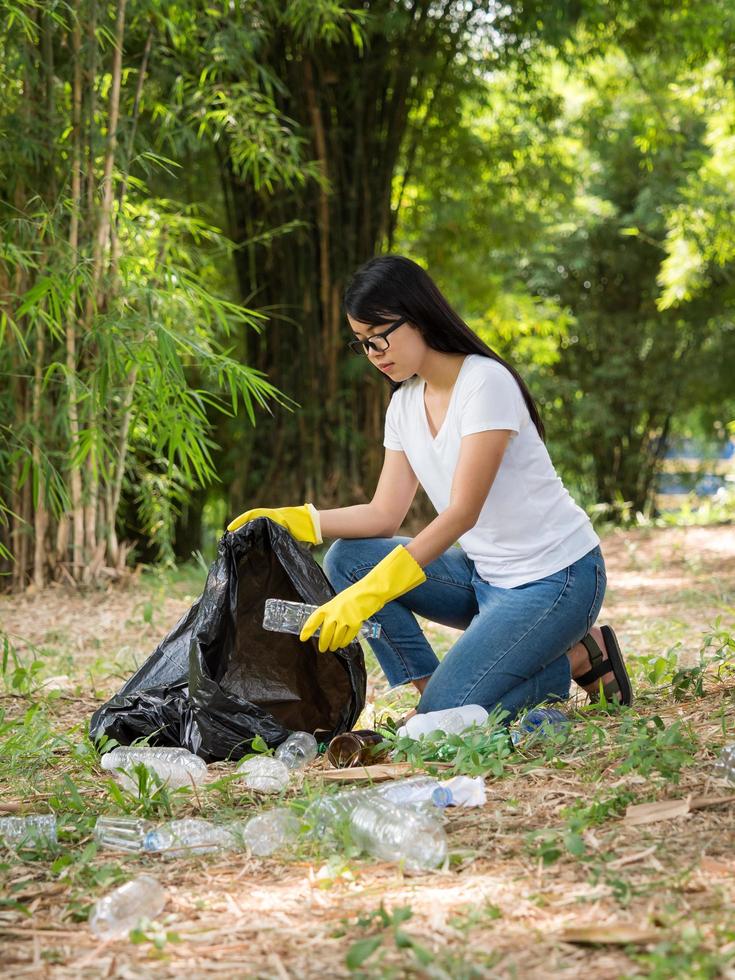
[264,774]
[33,830]
[724,766]
[394,833]
[271,830]
[179,838]
[282,616]
[299,749]
[451,721]
[122,910]
[121,833]
[175,767]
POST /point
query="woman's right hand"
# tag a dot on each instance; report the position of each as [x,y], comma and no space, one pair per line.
[301,522]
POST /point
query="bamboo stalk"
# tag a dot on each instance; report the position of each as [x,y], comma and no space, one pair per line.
[40,516]
[113,498]
[26,517]
[122,188]
[91,108]
[90,510]
[75,477]
[105,212]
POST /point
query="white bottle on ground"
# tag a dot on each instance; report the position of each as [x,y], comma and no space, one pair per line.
[451,721]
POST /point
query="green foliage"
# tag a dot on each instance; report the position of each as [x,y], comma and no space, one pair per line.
[482,750]
[122,339]
[585,234]
[390,934]
[696,951]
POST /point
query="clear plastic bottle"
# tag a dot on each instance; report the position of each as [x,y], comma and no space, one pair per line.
[327,814]
[264,774]
[174,766]
[31,831]
[282,616]
[724,766]
[545,721]
[395,833]
[409,791]
[415,791]
[120,911]
[271,830]
[189,836]
[299,749]
[121,833]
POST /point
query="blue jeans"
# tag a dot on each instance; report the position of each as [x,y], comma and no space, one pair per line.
[513,649]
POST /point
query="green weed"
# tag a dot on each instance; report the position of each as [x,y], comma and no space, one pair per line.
[692,954]
[386,932]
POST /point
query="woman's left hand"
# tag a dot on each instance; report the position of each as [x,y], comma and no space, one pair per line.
[340,619]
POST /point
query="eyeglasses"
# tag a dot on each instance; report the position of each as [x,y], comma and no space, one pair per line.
[378,342]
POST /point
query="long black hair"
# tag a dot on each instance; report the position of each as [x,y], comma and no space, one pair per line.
[391,286]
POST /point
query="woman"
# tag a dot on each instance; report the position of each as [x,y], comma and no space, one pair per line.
[527,581]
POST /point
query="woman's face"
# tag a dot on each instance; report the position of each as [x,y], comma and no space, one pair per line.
[404,355]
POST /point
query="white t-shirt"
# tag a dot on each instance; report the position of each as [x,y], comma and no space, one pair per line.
[529,526]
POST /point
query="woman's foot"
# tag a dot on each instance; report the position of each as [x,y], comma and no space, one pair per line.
[596,660]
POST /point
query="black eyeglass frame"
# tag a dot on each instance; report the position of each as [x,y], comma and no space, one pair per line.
[362,347]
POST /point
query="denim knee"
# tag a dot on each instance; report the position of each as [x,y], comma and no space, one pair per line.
[338,562]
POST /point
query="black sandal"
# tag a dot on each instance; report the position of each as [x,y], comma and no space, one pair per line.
[619,689]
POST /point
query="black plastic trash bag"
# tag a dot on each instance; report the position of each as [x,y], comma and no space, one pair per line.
[219,679]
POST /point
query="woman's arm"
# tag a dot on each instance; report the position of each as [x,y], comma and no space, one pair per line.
[339,620]
[480,456]
[385,513]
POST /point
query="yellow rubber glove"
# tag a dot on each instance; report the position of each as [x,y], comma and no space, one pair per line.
[340,619]
[302,522]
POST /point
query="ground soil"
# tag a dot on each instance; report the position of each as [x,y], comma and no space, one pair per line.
[499,910]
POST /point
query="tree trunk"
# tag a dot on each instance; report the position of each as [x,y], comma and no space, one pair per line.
[104,217]
[122,188]
[116,484]
[75,475]
[40,516]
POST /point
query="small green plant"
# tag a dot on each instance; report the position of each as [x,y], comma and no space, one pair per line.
[692,953]
[479,751]
[20,675]
[386,931]
[651,746]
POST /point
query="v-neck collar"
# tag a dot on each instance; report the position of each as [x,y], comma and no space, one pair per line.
[424,413]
